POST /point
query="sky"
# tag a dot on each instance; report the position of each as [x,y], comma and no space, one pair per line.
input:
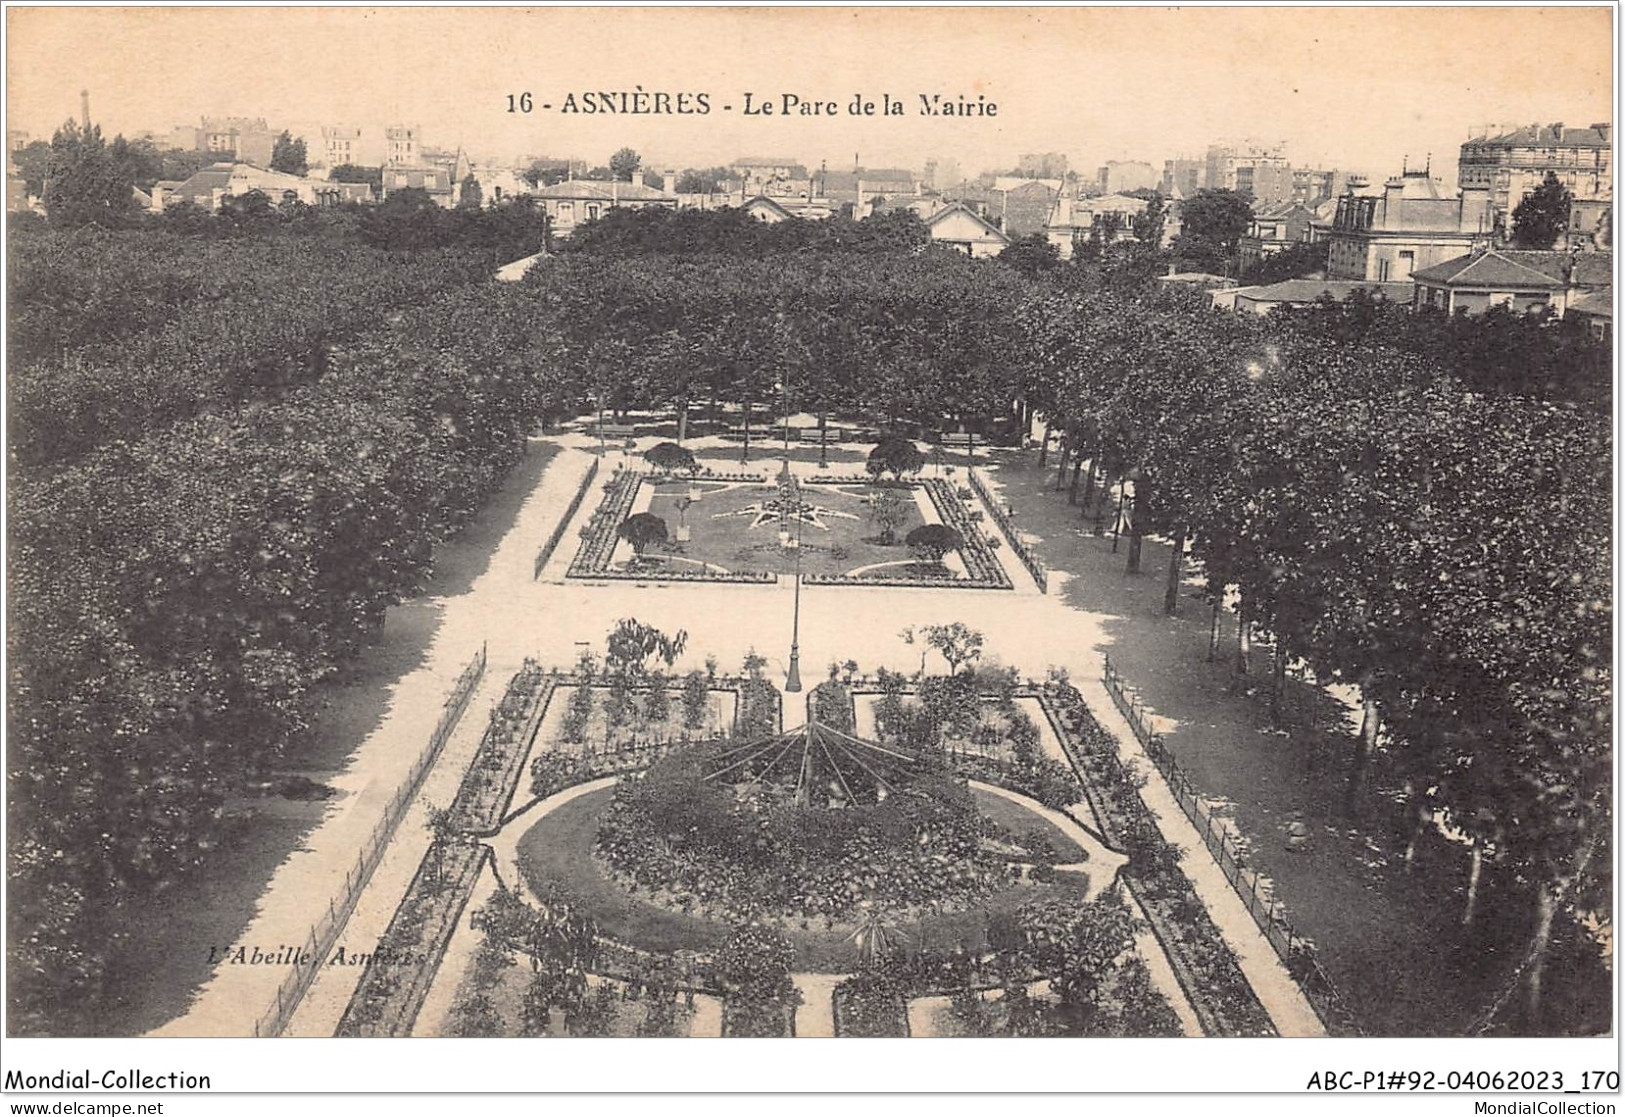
[1361,88]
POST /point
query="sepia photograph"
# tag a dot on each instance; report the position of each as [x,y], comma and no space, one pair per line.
[960,523]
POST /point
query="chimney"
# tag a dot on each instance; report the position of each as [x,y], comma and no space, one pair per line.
[1604,130]
[84,107]
[1557,131]
[668,182]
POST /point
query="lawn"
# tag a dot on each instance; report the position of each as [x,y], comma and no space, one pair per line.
[727,531]
[558,850]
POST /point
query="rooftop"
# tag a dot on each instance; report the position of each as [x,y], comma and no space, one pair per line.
[1512,268]
[1550,135]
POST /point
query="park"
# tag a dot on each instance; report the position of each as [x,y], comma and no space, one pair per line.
[970,649]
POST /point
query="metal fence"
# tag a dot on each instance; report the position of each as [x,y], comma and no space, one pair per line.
[1034,565]
[554,539]
[322,935]
[1255,890]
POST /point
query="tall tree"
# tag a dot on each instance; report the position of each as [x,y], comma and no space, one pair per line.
[1212,224]
[1543,216]
[85,184]
[288,155]
[469,195]
[33,162]
[624,164]
[1148,224]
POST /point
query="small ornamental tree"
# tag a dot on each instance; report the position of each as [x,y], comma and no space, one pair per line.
[895,455]
[631,643]
[957,643]
[929,542]
[642,531]
[668,457]
[696,699]
[886,510]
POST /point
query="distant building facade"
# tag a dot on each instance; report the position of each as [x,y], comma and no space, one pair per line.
[1119,177]
[1183,177]
[1511,163]
[1262,172]
[236,139]
[1412,225]
[577,201]
[770,175]
[1274,229]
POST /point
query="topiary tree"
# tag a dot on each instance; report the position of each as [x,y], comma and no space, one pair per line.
[642,531]
[929,542]
[668,457]
[896,455]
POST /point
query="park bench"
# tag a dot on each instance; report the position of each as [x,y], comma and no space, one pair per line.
[617,432]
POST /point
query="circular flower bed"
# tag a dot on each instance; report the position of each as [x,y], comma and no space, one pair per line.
[748,850]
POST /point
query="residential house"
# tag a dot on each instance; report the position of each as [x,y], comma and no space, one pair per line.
[213,184]
[1274,228]
[862,187]
[1596,310]
[500,184]
[1303,292]
[577,201]
[1519,280]
[766,210]
[434,181]
[235,139]
[770,175]
[959,228]
[1073,221]
[401,145]
[1412,225]
[1511,163]
[1591,224]
[349,145]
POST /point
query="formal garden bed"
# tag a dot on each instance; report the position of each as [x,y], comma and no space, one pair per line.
[399,972]
[1220,994]
[488,788]
[702,525]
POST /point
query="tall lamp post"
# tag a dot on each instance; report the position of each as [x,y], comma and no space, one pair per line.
[792,682]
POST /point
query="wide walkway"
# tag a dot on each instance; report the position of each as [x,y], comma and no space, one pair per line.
[517,615]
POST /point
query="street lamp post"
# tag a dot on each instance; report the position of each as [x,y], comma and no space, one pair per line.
[792,682]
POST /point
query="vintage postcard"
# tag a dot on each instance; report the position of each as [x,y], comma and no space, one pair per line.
[939,523]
